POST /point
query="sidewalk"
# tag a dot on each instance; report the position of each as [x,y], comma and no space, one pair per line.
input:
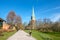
[21,35]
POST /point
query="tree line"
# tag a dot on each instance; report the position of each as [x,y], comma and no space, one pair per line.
[46,25]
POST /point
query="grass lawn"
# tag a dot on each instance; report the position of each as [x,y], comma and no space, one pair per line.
[55,36]
[45,36]
[6,35]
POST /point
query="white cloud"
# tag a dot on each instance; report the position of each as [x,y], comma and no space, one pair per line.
[55,17]
[51,9]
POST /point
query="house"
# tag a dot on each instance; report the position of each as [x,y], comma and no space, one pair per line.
[3,24]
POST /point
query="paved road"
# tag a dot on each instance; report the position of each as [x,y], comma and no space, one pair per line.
[21,35]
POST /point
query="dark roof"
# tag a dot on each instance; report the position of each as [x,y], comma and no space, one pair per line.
[1,19]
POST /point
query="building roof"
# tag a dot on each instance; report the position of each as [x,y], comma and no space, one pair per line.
[1,19]
[33,14]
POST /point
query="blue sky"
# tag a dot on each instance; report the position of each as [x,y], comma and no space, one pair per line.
[43,9]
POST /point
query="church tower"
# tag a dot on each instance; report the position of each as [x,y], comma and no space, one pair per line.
[33,19]
[33,15]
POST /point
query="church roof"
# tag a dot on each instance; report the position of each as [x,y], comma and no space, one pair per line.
[33,15]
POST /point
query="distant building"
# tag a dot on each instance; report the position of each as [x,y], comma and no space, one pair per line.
[3,24]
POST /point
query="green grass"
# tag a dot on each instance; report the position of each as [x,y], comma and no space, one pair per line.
[54,35]
[35,34]
[57,34]
[6,35]
[45,36]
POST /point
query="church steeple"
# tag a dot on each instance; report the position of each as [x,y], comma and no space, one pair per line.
[33,19]
[33,15]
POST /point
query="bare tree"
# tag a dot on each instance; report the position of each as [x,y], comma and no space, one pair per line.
[44,25]
[56,27]
[11,17]
[14,20]
[18,22]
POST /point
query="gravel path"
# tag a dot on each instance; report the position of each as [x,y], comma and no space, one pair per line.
[21,35]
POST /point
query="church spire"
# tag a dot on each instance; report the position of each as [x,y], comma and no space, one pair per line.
[33,15]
